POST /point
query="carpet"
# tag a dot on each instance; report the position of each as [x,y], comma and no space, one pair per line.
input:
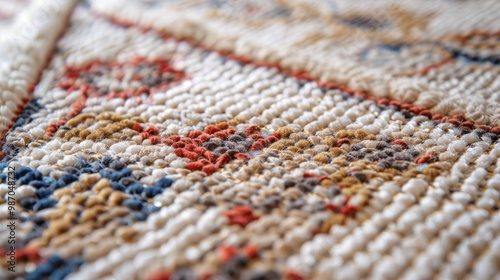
[263,139]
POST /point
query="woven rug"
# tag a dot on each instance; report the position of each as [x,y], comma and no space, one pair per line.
[263,139]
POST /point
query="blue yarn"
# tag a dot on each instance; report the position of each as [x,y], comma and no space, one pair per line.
[88,170]
[133,204]
[81,163]
[44,203]
[21,171]
[105,174]
[38,175]
[25,117]
[20,121]
[68,178]
[71,170]
[28,177]
[421,167]
[57,185]
[25,179]
[27,202]
[473,58]
[125,221]
[115,176]
[42,193]
[75,262]
[47,180]
[96,166]
[149,208]
[117,165]
[38,220]
[139,216]
[106,161]
[164,183]
[126,181]
[152,191]
[56,260]
[126,172]
[45,268]
[117,186]
[60,273]
[38,184]
[55,268]
[40,272]
[135,188]
[3,164]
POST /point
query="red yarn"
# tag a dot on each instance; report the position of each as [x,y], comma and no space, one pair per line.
[211,129]
[178,145]
[343,141]
[241,215]
[179,152]
[255,136]
[251,129]
[241,156]
[152,130]
[293,275]
[137,127]
[222,160]
[348,210]
[399,142]
[423,159]
[209,169]
[226,253]
[194,133]
[251,251]
[194,166]
[154,140]
[164,275]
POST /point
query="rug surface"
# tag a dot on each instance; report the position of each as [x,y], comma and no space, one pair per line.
[263,139]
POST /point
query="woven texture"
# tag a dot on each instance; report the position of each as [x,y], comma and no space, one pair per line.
[264,139]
